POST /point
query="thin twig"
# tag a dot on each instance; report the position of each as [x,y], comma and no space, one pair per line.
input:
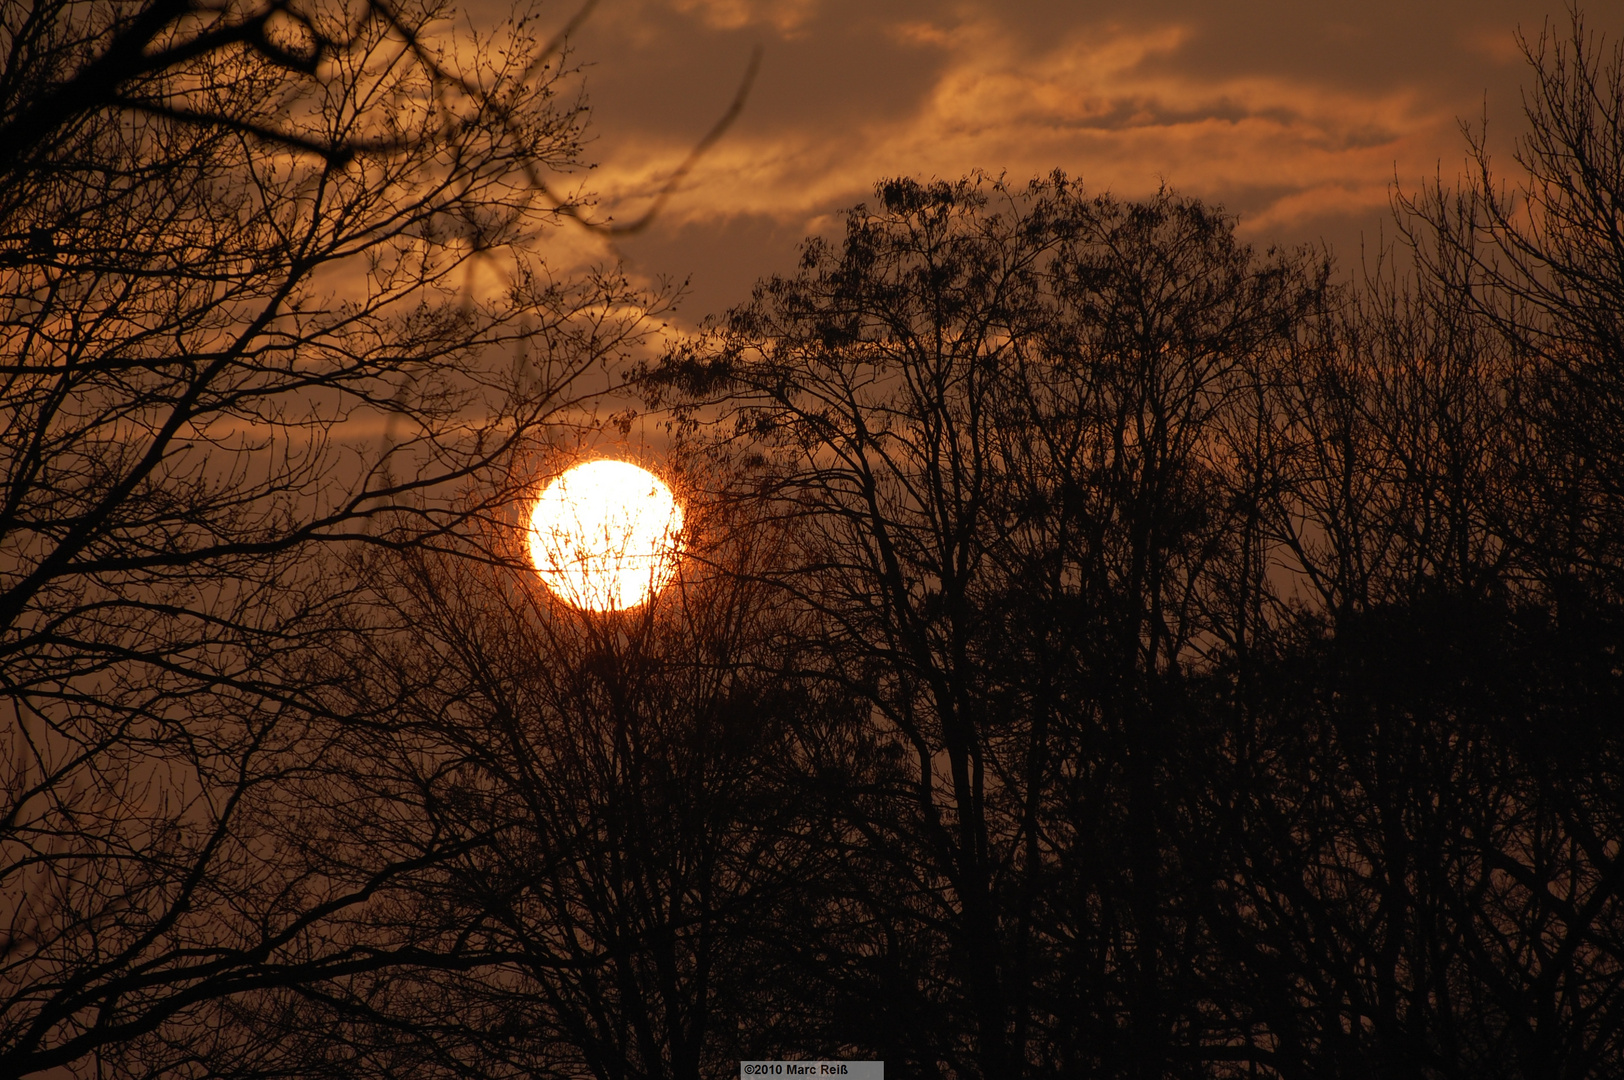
[699,150]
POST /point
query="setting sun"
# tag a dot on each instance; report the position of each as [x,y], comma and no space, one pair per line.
[605,535]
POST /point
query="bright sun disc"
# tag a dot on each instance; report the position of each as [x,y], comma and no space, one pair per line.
[606,535]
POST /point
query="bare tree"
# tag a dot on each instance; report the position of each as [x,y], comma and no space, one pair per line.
[643,779]
[268,283]
[1426,797]
[1542,260]
[993,416]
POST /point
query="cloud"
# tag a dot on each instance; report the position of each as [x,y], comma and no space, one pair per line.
[1107,103]
[784,16]
[1495,44]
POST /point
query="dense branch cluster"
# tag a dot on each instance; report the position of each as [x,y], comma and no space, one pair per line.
[268,290]
[1245,712]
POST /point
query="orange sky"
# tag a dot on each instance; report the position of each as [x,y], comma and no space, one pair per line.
[1297,116]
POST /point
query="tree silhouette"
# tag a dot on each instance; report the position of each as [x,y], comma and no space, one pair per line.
[640,777]
[225,355]
[1100,648]
[992,415]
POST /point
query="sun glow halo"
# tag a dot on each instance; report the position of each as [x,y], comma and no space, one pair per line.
[605,535]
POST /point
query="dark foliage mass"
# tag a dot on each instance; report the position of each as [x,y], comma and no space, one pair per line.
[1102,649]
